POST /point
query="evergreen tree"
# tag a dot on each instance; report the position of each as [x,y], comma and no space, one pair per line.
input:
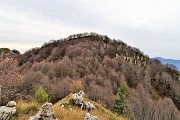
[121,106]
[40,95]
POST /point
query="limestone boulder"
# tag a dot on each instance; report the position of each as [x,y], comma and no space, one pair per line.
[6,112]
[88,116]
[45,113]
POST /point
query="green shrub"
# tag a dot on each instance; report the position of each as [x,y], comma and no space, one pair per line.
[41,96]
[71,102]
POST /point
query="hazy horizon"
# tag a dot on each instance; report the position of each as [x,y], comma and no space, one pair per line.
[151,26]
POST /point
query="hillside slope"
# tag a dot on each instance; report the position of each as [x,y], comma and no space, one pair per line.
[99,65]
[70,112]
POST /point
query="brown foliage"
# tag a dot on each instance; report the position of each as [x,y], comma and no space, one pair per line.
[101,65]
[10,78]
[144,108]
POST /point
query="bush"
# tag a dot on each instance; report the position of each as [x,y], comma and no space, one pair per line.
[41,96]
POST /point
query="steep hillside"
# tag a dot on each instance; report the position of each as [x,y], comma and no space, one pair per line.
[100,65]
[176,63]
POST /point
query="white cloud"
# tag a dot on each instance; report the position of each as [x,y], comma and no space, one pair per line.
[153,26]
[21,47]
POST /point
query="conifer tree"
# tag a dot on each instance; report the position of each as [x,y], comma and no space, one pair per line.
[121,106]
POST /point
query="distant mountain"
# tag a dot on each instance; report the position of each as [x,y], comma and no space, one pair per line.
[176,63]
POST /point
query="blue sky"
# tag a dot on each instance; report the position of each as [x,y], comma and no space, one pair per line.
[151,25]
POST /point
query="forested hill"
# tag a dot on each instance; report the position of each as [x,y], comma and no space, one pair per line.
[103,45]
[99,65]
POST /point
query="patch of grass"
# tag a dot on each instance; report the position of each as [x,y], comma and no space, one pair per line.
[68,114]
[72,112]
[112,118]
[25,110]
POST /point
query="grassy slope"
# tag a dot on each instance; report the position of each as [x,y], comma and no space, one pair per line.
[77,114]
[71,112]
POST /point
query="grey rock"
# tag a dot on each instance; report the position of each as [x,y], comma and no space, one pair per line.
[78,97]
[6,112]
[88,116]
[88,106]
[11,104]
[45,113]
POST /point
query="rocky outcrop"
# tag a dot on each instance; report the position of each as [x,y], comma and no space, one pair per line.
[88,116]
[78,98]
[45,113]
[87,106]
[6,112]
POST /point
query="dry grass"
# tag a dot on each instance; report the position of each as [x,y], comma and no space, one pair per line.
[67,114]
[75,113]
[71,112]
[25,110]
